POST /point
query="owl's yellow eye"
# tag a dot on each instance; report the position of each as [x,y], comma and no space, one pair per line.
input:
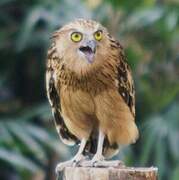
[76,36]
[98,35]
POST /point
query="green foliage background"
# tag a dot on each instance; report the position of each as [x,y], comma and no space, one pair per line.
[149,31]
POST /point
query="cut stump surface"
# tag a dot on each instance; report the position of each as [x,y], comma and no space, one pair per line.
[109,173]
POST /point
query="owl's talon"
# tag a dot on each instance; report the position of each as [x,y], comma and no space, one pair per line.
[73,163]
[97,157]
[76,163]
[61,166]
[95,164]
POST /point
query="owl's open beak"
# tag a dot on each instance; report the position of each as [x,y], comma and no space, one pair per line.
[89,49]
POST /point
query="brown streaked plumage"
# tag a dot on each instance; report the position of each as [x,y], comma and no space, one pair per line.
[91,90]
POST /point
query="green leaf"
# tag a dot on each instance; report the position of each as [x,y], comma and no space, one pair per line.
[18,160]
[44,137]
[143,18]
[171,20]
[175,174]
[19,130]
[5,2]
[5,136]
[148,146]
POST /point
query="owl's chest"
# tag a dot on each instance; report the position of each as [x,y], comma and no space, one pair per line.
[74,101]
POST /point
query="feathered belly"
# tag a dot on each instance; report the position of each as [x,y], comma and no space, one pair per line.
[78,112]
[115,118]
[107,110]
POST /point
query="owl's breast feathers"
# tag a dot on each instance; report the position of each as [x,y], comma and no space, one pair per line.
[114,74]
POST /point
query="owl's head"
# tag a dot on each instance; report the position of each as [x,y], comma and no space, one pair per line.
[82,44]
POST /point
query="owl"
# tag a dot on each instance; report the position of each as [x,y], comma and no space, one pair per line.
[91,91]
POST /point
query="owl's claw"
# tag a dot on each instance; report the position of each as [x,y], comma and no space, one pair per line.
[97,158]
[76,161]
[94,162]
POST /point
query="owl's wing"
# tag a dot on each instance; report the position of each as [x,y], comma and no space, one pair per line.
[125,81]
[53,89]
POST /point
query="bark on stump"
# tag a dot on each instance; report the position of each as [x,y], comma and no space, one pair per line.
[121,173]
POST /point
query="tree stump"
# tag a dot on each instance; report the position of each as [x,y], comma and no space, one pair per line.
[109,173]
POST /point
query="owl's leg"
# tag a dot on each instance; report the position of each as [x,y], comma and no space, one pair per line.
[75,160]
[99,160]
[98,157]
[99,153]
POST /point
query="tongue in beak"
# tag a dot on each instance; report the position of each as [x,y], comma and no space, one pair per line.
[89,50]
